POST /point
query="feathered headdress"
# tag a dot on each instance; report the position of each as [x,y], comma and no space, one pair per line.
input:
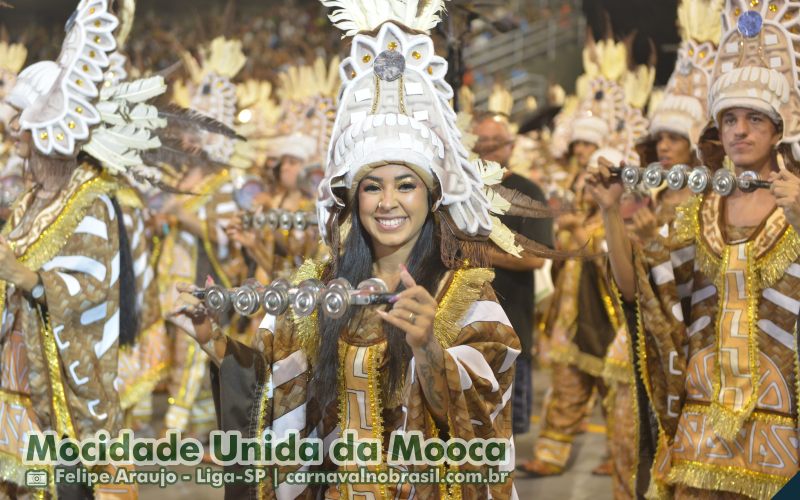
[684,107]
[308,99]
[214,94]
[395,108]
[756,66]
[74,104]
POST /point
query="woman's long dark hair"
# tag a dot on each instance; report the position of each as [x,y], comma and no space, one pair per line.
[354,263]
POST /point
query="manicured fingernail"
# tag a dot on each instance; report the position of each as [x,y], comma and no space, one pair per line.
[209,280]
[394,299]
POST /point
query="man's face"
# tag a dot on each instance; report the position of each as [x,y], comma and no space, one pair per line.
[748,137]
[495,141]
[673,149]
[583,151]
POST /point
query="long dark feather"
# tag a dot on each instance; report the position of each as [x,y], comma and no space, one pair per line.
[190,119]
[180,158]
[523,205]
[539,250]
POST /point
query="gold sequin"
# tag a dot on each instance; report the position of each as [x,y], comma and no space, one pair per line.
[43,136]
[59,137]
[79,82]
[430,70]
[737,11]
[85,68]
[97,39]
[416,55]
[71,124]
[794,29]
[92,54]
[773,7]
[702,54]
[392,45]
[754,3]
[97,24]
[79,110]
[367,58]
[352,74]
[91,11]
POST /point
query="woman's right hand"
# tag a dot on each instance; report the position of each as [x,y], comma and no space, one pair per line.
[604,190]
[190,307]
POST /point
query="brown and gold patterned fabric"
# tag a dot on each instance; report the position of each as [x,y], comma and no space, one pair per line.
[718,310]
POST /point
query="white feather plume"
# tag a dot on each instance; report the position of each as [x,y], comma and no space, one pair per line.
[353,16]
[136,91]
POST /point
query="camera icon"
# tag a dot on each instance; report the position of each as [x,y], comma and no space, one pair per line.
[36,478]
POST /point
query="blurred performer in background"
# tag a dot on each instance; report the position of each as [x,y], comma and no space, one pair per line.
[12,58]
[513,280]
[584,319]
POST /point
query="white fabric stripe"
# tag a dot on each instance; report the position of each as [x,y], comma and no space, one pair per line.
[703,294]
[677,311]
[484,310]
[698,325]
[110,335]
[509,466]
[499,408]
[794,270]
[73,285]
[473,358]
[508,362]
[79,264]
[293,420]
[289,368]
[227,207]
[664,230]
[114,269]
[137,233]
[128,220]
[268,323]
[94,314]
[112,215]
[777,333]
[149,274]
[139,265]
[682,256]
[94,226]
[663,273]
[784,301]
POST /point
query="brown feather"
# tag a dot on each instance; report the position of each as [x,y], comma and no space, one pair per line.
[523,205]
[191,120]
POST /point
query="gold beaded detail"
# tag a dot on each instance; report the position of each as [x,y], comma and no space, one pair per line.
[430,70]
[97,39]
[754,3]
[71,124]
[92,54]
[85,68]
[416,55]
[59,136]
[773,7]
[737,11]
[367,58]
[702,54]
[43,136]
[79,82]
[79,110]
[97,24]
[91,11]
[352,74]
[392,45]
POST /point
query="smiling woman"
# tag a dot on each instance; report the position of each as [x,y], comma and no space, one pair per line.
[400,201]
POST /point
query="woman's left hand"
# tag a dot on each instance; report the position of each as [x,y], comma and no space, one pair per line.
[786,189]
[413,312]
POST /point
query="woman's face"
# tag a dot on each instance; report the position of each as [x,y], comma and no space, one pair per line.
[290,167]
[392,207]
[748,137]
[673,149]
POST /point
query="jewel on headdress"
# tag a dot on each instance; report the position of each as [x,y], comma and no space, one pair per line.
[390,65]
[749,24]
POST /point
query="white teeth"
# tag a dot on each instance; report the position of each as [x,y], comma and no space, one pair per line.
[391,222]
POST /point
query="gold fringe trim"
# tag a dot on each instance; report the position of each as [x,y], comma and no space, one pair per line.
[266,486]
[13,470]
[63,419]
[571,355]
[307,334]
[144,386]
[772,266]
[687,218]
[465,288]
[375,403]
[343,490]
[760,416]
[617,371]
[657,490]
[718,478]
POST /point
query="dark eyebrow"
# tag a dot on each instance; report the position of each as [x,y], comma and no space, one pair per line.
[379,180]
